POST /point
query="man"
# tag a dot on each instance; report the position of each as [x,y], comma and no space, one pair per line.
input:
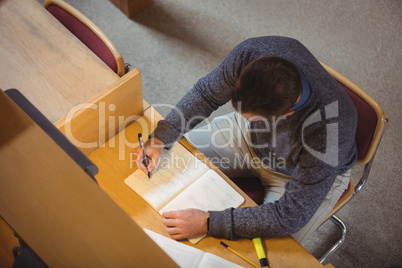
[293,128]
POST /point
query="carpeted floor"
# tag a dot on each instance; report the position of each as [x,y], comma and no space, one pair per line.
[174,43]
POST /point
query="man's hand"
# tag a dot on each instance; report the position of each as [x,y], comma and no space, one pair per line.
[153,149]
[186,223]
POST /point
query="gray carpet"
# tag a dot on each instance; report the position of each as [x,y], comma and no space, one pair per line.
[174,43]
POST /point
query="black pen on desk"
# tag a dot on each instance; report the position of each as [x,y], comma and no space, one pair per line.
[143,152]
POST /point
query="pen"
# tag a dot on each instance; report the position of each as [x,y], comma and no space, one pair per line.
[260,252]
[143,151]
[238,254]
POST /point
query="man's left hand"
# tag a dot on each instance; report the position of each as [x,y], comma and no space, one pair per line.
[186,223]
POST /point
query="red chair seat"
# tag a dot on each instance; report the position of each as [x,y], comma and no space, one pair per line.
[252,186]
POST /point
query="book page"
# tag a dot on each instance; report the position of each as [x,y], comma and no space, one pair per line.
[209,192]
[177,169]
[186,256]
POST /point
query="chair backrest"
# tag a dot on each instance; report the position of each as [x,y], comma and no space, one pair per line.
[89,34]
[366,123]
[370,118]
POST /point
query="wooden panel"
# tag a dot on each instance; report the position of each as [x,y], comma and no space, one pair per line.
[115,164]
[7,242]
[89,125]
[45,61]
[58,209]
[131,7]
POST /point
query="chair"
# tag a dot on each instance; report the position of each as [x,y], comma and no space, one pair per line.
[371,123]
[89,34]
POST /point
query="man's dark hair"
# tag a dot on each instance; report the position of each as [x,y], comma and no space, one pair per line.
[268,86]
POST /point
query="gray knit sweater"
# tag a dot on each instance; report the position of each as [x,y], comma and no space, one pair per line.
[313,145]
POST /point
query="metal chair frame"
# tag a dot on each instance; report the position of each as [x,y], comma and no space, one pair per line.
[337,220]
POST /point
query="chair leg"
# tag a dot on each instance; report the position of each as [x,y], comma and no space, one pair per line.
[342,226]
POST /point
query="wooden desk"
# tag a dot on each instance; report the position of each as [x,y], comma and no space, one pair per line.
[113,161]
[44,61]
[55,71]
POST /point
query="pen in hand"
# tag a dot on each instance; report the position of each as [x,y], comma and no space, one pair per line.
[143,152]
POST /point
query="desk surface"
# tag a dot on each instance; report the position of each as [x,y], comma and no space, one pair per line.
[43,60]
[113,161]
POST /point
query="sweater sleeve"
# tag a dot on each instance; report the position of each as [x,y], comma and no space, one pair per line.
[207,95]
[310,183]
[304,193]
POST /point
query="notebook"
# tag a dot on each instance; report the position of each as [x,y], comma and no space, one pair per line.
[183,181]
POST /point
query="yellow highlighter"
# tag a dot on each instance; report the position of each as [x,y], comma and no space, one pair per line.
[260,252]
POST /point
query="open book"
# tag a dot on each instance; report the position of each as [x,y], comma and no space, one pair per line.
[186,256]
[183,181]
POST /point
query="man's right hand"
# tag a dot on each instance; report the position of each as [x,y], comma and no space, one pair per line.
[153,149]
